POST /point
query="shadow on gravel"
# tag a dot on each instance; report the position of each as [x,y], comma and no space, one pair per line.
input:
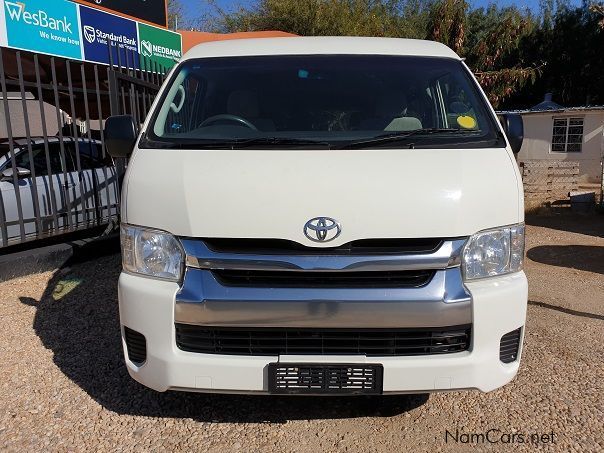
[588,224]
[77,318]
[582,257]
[568,311]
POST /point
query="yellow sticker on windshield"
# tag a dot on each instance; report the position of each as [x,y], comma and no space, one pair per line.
[467,122]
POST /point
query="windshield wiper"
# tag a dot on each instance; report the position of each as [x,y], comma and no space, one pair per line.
[395,137]
[264,142]
[276,141]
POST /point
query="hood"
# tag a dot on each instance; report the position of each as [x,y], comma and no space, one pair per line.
[271,194]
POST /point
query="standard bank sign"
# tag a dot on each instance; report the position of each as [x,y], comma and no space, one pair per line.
[43,26]
[102,31]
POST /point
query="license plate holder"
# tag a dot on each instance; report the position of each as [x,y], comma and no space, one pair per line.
[325,378]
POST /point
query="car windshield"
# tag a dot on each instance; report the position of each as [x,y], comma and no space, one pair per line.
[360,101]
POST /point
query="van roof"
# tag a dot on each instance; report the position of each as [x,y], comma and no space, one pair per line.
[320,46]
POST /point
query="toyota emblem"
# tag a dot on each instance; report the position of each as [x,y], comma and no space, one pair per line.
[322,229]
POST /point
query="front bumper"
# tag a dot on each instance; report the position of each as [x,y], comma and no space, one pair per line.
[147,306]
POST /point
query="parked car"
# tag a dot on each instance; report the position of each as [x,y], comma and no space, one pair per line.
[48,195]
[321,216]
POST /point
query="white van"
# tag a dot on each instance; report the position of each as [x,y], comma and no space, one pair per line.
[321,216]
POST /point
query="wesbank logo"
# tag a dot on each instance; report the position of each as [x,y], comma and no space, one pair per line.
[40,18]
[45,26]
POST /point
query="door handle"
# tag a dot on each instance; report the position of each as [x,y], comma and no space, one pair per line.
[69,185]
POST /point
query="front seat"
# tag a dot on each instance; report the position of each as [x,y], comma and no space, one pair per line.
[244,103]
[390,115]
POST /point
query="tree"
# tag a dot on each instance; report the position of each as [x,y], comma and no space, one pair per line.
[176,14]
[516,55]
[486,38]
[572,48]
[394,18]
[598,8]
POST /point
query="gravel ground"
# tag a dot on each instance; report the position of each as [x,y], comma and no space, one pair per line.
[64,386]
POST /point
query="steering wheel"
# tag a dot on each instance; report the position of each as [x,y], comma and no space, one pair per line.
[228,117]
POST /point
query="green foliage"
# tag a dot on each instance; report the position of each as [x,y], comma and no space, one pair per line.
[448,23]
[572,50]
[394,18]
[598,8]
[515,54]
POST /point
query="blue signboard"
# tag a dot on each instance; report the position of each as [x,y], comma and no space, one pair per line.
[99,29]
[43,26]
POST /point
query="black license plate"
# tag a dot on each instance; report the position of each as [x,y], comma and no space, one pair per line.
[321,378]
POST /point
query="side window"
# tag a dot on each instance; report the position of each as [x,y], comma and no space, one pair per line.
[88,155]
[86,163]
[69,161]
[567,136]
[95,157]
[39,155]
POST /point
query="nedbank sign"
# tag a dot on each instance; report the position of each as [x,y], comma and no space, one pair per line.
[158,46]
[43,26]
[66,29]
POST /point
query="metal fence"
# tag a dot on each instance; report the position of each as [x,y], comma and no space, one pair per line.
[55,174]
[548,182]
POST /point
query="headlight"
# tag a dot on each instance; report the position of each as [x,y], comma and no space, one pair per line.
[150,252]
[494,252]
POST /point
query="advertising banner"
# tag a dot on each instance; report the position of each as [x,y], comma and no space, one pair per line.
[158,46]
[45,26]
[99,29]
[69,30]
[153,11]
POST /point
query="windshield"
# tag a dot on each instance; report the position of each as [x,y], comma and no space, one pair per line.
[322,101]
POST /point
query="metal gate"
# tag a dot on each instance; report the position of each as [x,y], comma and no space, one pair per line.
[55,174]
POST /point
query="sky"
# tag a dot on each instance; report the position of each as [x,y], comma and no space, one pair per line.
[196,8]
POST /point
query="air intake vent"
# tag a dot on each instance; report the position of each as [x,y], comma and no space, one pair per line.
[509,346]
[136,345]
[369,342]
[360,247]
[293,279]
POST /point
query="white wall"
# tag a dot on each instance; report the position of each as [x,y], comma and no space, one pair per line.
[538,129]
[17,119]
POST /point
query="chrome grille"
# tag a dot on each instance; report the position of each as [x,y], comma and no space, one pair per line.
[382,283]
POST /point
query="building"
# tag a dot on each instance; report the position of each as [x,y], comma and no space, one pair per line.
[554,132]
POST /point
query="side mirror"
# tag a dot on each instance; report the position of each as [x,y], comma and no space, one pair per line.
[514,130]
[8,174]
[120,135]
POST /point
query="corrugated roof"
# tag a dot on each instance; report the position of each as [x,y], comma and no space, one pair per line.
[559,109]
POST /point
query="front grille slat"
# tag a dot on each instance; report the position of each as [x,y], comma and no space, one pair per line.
[318,279]
[275,341]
